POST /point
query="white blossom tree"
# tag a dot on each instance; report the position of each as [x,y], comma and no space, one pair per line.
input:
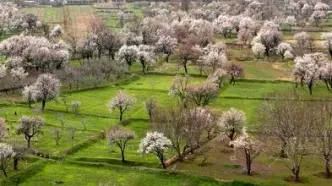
[188,51]
[128,54]
[155,143]
[327,37]
[247,30]
[258,49]
[304,41]
[35,52]
[307,69]
[46,88]
[30,127]
[214,57]
[290,21]
[146,57]
[231,123]
[86,47]
[235,71]
[166,45]
[6,155]
[223,25]
[269,35]
[283,48]
[3,70]
[326,75]
[56,32]
[29,94]
[202,94]
[10,18]
[121,101]
[288,55]
[202,30]
[218,76]
[120,136]
[249,147]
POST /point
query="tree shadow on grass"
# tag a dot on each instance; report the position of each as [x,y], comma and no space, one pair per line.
[322,175]
[115,162]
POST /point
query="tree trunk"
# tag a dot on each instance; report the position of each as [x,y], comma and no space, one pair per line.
[122,156]
[43,104]
[296,172]
[29,140]
[232,79]
[185,67]
[163,164]
[327,85]
[330,51]
[167,57]
[267,51]
[310,88]
[219,83]
[282,152]
[248,163]
[327,167]
[15,163]
[143,66]
[121,114]
[4,173]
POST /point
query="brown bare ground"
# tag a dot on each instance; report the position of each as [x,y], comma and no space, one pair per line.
[80,22]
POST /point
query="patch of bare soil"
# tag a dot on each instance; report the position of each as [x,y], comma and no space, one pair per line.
[283,73]
[81,23]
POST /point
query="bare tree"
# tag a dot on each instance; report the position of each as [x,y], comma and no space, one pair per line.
[287,127]
[196,121]
[150,106]
[170,122]
[322,112]
[179,88]
[57,135]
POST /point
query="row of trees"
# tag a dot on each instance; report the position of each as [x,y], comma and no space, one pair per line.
[291,128]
